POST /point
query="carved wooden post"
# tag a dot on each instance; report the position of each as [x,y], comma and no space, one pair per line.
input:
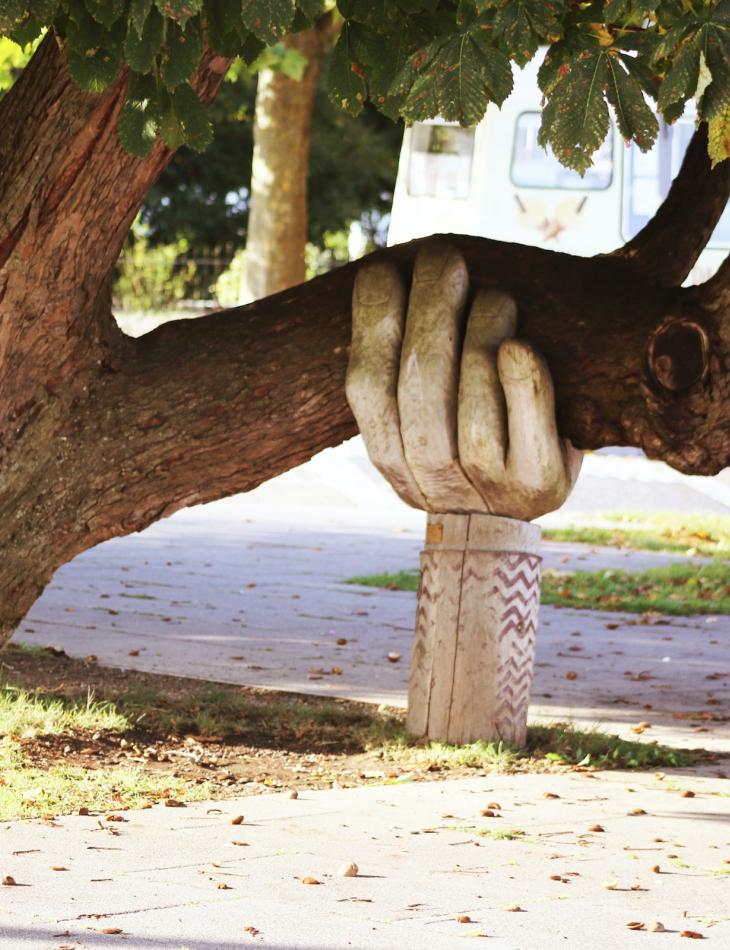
[478,600]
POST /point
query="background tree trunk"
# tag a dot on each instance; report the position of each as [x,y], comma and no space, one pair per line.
[277,226]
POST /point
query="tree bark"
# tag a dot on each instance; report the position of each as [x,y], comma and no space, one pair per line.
[277,226]
[100,435]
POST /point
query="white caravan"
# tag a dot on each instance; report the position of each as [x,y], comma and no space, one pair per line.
[495,181]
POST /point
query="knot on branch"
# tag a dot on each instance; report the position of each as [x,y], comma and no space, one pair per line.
[678,356]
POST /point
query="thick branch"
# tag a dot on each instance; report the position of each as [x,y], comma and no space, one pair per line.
[667,248]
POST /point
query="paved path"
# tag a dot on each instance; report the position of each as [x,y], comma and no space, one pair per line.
[214,593]
[173,878]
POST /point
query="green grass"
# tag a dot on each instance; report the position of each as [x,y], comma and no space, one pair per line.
[560,743]
[668,531]
[679,589]
[30,792]
[25,715]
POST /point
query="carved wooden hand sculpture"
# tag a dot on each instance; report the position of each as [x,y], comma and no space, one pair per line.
[452,428]
[468,433]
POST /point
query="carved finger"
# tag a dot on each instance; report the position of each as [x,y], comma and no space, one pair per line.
[539,476]
[428,381]
[378,315]
[482,409]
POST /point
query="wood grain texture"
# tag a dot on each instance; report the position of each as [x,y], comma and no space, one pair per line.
[476,626]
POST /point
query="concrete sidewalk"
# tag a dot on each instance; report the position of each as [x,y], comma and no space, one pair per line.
[220,594]
[580,855]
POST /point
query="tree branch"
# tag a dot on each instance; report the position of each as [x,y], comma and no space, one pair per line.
[667,248]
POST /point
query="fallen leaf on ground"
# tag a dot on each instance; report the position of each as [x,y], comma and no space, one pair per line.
[635,925]
[252,930]
[222,886]
[656,869]
[463,919]
[237,820]
[550,795]
[240,844]
[9,881]
[83,810]
[514,909]
[133,653]
[341,641]
[692,934]
[294,794]
[111,930]
[173,803]
[688,794]
[393,657]
[596,828]
[58,868]
[571,675]
[310,880]
[636,811]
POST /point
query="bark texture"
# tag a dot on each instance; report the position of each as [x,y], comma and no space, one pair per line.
[277,227]
[100,435]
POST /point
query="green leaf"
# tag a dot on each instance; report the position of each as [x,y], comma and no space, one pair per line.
[523,25]
[718,138]
[106,12]
[346,80]
[139,10]
[312,9]
[456,79]
[268,19]
[575,121]
[193,117]
[635,119]
[138,125]
[95,70]
[223,21]
[140,50]
[179,10]
[181,54]
[44,11]
[680,83]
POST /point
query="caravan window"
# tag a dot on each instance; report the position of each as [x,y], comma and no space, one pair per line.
[440,161]
[649,175]
[534,167]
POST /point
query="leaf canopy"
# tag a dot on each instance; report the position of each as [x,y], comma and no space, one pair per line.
[414,59]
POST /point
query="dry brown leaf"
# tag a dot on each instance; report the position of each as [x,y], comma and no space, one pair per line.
[237,820]
[310,880]
[222,886]
[133,653]
[240,844]
[571,675]
[636,811]
[688,794]
[550,795]
[252,930]
[596,828]
[173,803]
[656,869]
[635,925]
[514,909]
[115,818]
[692,934]
[487,813]
[83,810]
[293,793]
[463,919]
[58,867]
[111,930]
[341,641]
[495,806]
[9,881]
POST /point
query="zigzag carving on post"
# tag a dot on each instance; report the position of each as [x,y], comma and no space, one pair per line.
[517,587]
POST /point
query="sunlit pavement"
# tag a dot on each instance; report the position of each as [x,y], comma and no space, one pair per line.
[569,861]
[249,590]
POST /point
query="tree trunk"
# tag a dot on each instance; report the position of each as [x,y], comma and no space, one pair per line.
[100,434]
[277,225]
